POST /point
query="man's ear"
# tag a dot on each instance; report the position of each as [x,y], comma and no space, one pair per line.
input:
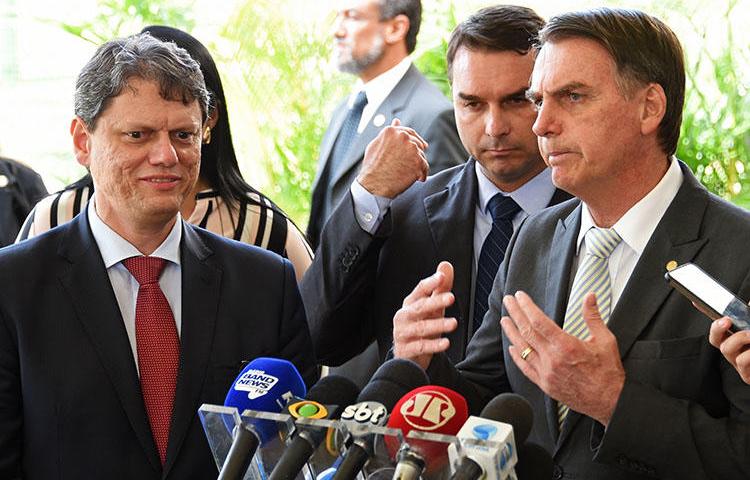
[654,107]
[396,29]
[81,141]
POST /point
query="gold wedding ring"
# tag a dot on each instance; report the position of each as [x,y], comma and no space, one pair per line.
[526,352]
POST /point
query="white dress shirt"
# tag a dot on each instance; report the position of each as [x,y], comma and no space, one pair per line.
[635,228]
[377,90]
[114,249]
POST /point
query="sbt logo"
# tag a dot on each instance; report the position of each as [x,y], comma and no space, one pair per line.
[428,410]
[256,383]
[365,412]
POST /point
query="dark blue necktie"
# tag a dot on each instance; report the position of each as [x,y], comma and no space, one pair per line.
[502,209]
[347,133]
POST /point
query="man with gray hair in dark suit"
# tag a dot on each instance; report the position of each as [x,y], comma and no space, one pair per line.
[615,363]
[116,326]
[373,40]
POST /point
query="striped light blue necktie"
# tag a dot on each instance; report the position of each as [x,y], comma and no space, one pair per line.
[592,276]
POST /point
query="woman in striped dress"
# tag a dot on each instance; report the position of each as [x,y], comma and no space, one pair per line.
[224,203]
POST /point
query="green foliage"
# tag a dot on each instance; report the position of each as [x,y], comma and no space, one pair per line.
[281,73]
[282,88]
[715,138]
[433,43]
[116,18]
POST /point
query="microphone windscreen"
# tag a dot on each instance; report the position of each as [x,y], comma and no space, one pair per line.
[265,384]
[392,381]
[512,409]
[534,463]
[333,390]
[430,409]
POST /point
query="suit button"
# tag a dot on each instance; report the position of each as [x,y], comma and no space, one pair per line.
[557,472]
[348,258]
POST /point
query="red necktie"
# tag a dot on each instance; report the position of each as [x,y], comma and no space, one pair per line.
[158,347]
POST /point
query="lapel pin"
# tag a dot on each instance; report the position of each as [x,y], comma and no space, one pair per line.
[3,181]
[379,120]
[671,265]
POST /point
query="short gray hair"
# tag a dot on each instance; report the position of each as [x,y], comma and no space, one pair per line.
[138,56]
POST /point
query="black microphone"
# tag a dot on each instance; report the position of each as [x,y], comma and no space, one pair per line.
[534,463]
[387,386]
[502,412]
[331,390]
[513,409]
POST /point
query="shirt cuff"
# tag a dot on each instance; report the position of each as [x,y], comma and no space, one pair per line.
[368,208]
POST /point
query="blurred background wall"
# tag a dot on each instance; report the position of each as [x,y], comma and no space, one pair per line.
[281,87]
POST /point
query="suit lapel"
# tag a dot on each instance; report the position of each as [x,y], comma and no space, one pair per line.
[87,284]
[557,286]
[337,119]
[200,301]
[677,237]
[450,216]
[396,101]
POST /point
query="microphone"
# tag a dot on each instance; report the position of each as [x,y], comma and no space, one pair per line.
[265,384]
[505,417]
[331,390]
[430,409]
[534,463]
[390,382]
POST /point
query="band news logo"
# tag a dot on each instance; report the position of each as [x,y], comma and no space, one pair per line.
[428,410]
[256,383]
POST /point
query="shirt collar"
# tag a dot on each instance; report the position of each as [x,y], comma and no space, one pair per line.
[638,224]
[381,86]
[114,249]
[532,196]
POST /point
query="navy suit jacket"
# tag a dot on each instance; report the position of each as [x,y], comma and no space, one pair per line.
[358,281]
[70,398]
[684,412]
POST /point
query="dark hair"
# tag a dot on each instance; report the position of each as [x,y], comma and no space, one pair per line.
[644,49]
[498,28]
[219,165]
[142,56]
[413,11]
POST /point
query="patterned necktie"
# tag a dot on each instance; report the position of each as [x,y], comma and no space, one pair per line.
[347,133]
[592,276]
[158,347]
[503,209]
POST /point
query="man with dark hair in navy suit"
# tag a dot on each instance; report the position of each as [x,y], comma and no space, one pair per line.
[390,231]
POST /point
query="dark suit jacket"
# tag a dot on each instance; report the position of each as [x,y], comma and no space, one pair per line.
[684,411]
[357,281]
[20,189]
[70,398]
[419,105]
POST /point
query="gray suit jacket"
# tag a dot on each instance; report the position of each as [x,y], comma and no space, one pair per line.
[358,281]
[419,105]
[684,411]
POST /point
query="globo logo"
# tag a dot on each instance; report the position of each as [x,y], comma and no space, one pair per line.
[428,410]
